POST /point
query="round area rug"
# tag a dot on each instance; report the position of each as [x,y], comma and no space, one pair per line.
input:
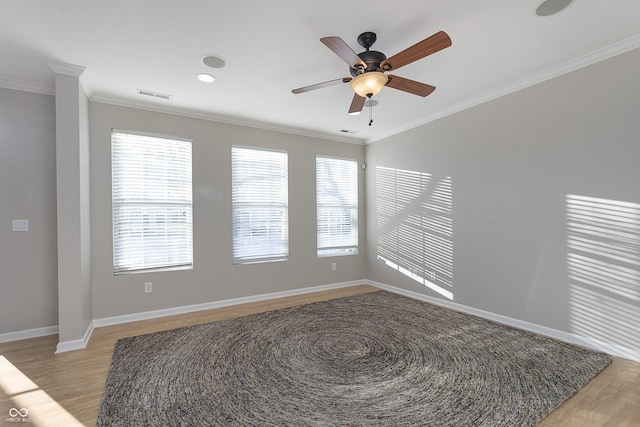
[374,359]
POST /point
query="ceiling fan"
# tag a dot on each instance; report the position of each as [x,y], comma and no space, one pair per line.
[368,68]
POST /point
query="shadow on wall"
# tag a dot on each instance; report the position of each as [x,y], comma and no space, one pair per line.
[415,226]
[603,264]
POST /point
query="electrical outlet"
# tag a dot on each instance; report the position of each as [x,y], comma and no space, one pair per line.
[333,266]
[148,287]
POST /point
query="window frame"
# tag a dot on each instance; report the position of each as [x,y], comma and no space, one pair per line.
[136,247]
[350,209]
[263,208]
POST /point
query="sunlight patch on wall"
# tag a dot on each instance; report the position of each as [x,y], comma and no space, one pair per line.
[415,226]
[603,264]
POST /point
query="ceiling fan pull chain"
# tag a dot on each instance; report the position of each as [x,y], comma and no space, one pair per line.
[370,112]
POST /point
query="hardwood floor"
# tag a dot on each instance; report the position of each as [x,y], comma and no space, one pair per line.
[65,389]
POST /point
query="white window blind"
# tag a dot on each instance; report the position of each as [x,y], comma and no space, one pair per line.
[337,206]
[152,202]
[260,205]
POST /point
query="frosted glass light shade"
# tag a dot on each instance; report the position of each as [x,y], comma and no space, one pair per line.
[369,83]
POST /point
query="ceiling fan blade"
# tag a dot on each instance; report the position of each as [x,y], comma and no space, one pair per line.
[340,48]
[356,104]
[321,85]
[426,47]
[411,86]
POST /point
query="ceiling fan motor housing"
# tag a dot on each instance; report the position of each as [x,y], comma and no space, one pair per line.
[372,58]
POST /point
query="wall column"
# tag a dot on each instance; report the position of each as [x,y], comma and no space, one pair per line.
[73,209]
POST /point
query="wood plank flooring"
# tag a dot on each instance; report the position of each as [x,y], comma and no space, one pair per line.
[65,389]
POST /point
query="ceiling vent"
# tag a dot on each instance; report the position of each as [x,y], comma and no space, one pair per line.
[154,94]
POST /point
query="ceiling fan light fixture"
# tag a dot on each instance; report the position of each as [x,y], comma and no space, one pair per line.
[369,84]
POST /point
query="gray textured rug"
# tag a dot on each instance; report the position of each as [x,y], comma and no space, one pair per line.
[376,359]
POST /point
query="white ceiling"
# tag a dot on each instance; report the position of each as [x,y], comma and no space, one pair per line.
[271,47]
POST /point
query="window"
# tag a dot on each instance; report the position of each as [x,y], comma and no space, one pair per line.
[260,205]
[337,206]
[152,203]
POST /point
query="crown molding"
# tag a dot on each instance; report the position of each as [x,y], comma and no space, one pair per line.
[237,121]
[548,74]
[27,86]
[64,68]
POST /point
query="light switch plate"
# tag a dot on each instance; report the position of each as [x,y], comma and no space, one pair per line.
[20,225]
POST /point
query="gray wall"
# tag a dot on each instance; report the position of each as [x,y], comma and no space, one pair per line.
[545,208]
[546,203]
[214,277]
[28,260]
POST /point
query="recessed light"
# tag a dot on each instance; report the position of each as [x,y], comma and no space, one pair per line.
[207,78]
[213,61]
[551,7]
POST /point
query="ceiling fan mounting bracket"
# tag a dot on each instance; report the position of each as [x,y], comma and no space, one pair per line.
[367,39]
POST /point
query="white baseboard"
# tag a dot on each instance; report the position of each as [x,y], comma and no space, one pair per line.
[64,346]
[611,348]
[126,318]
[28,333]
[79,344]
